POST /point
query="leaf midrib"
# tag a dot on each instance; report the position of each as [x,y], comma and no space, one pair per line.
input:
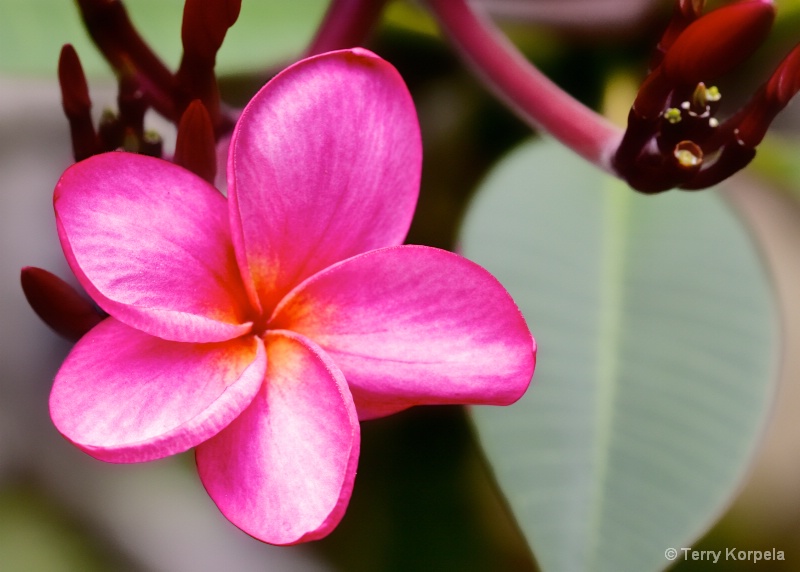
[613,247]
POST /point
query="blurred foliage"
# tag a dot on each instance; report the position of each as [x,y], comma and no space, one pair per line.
[37,534]
[777,161]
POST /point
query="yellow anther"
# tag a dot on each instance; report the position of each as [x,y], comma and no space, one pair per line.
[703,95]
[673,115]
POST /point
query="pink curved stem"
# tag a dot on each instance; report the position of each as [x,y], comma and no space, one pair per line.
[347,23]
[534,97]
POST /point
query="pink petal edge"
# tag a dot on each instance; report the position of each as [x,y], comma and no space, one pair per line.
[329,153]
[414,325]
[124,396]
[150,243]
[283,471]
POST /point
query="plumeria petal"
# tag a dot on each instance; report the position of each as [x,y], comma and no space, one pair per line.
[410,325]
[125,396]
[324,164]
[150,242]
[283,471]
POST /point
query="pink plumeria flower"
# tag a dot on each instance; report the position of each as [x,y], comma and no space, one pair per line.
[260,328]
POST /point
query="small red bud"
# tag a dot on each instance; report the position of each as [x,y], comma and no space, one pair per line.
[58,304]
[205,23]
[653,95]
[785,82]
[718,41]
[753,121]
[195,145]
[77,104]
[74,89]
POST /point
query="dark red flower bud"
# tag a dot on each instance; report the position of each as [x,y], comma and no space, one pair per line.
[718,42]
[205,23]
[77,104]
[653,95]
[752,123]
[58,304]
[785,82]
[195,146]
[74,89]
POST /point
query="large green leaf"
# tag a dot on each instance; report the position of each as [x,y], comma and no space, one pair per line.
[657,359]
[33,31]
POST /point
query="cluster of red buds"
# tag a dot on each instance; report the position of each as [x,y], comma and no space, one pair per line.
[674,138]
[188,97]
